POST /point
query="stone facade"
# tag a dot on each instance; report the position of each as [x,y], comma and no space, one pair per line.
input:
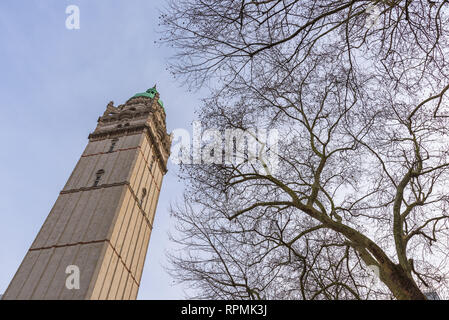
[103,217]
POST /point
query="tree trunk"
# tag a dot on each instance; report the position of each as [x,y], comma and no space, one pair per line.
[400,283]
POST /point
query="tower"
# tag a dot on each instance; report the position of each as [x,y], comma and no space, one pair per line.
[99,228]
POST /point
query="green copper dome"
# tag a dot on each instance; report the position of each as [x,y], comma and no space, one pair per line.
[150,93]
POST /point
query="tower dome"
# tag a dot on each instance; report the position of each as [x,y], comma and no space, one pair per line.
[150,93]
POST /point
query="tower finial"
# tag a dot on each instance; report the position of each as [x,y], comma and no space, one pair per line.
[154,86]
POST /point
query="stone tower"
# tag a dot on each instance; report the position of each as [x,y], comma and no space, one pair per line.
[101,222]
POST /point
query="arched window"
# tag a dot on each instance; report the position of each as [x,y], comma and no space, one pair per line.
[113,143]
[144,194]
[98,177]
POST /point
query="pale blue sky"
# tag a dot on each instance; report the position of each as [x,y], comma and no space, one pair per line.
[54,84]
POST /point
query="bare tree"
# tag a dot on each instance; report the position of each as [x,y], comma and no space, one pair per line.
[363,158]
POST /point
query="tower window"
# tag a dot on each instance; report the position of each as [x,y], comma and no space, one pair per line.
[113,143]
[153,160]
[98,177]
[144,194]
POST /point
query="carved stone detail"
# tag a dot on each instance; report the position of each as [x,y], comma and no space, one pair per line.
[137,114]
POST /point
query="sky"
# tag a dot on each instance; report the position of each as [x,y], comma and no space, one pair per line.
[54,84]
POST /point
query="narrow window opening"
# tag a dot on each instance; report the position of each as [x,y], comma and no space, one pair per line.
[98,177]
[144,194]
[113,143]
[153,160]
